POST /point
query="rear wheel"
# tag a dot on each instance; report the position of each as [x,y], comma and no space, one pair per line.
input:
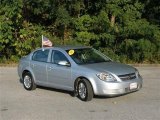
[28,81]
[85,91]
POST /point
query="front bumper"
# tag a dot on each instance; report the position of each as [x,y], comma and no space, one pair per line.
[118,88]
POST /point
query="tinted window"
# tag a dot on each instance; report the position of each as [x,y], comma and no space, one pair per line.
[40,55]
[87,56]
[58,56]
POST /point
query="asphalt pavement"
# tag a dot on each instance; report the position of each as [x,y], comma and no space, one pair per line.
[49,104]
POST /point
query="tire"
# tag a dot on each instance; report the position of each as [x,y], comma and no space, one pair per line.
[85,91]
[28,81]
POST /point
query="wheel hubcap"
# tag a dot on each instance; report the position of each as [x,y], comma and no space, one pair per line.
[27,81]
[82,90]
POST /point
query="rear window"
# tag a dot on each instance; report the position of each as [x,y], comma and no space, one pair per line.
[40,55]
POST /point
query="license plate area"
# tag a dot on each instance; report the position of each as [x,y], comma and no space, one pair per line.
[133,86]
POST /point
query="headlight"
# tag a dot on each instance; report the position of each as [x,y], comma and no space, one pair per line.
[106,77]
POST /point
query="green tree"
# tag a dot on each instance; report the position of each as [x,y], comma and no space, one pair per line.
[10,23]
[126,30]
[152,11]
[83,32]
[63,20]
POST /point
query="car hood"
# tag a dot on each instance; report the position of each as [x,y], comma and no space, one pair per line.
[113,67]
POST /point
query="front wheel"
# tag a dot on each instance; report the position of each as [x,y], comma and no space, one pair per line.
[85,91]
[28,81]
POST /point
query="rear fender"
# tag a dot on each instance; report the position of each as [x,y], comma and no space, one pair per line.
[31,71]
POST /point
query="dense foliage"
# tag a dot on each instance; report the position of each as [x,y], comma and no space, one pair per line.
[125,30]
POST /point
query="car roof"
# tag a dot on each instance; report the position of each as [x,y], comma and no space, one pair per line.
[66,47]
[72,47]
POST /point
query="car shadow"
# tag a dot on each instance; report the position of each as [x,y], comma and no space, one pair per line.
[52,89]
[71,93]
[107,97]
[55,90]
[110,97]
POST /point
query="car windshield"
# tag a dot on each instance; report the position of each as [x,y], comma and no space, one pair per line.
[87,56]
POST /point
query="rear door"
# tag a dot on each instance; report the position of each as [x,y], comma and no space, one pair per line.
[38,65]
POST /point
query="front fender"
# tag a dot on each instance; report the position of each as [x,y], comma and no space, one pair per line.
[92,80]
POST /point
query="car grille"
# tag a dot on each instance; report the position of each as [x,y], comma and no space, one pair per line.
[127,76]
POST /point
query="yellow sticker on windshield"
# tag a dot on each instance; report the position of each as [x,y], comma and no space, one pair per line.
[71,52]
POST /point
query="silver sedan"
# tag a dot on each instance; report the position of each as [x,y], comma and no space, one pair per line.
[83,70]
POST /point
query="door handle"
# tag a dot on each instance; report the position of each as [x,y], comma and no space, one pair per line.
[33,65]
[50,68]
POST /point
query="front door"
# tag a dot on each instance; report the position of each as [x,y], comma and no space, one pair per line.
[59,76]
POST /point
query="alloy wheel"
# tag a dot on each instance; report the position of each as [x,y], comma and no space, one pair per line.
[82,90]
[27,81]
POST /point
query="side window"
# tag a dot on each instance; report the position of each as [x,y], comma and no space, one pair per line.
[40,55]
[58,56]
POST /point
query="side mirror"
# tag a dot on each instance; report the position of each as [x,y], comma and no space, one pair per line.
[64,63]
